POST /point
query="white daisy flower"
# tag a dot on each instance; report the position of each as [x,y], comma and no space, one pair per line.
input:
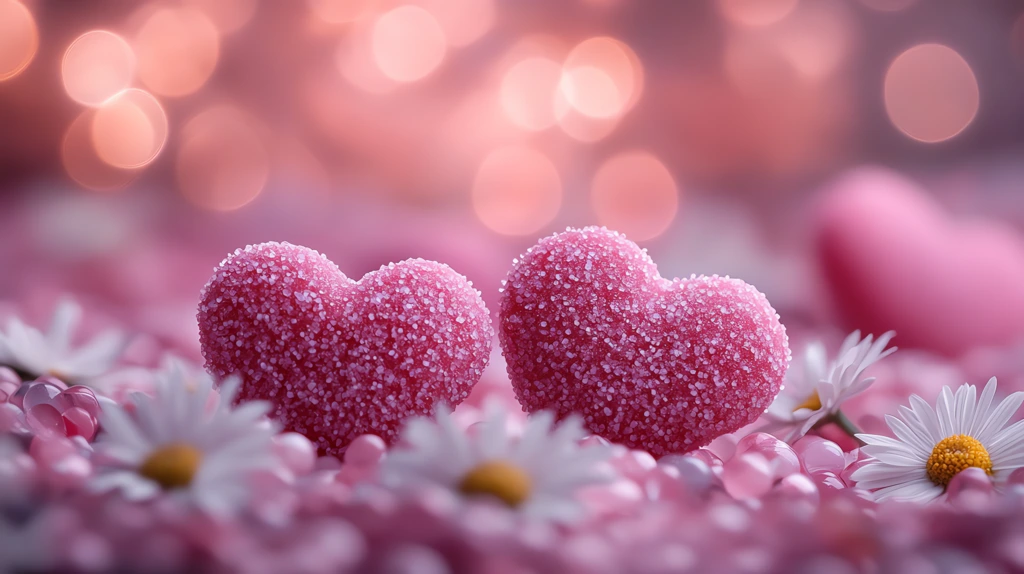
[819,390]
[933,445]
[537,473]
[35,353]
[175,443]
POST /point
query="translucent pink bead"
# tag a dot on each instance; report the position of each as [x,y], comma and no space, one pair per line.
[616,496]
[707,457]
[79,422]
[50,450]
[798,487]
[7,389]
[365,450]
[724,446]
[296,452]
[635,464]
[50,380]
[969,487]
[782,457]
[40,394]
[81,397]
[748,475]
[820,455]
[45,421]
[12,419]
[69,472]
[693,472]
[18,398]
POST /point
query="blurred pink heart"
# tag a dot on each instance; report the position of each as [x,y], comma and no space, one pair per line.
[895,260]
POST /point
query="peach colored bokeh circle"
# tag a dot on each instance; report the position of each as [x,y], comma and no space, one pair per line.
[130,129]
[517,191]
[19,38]
[756,12]
[81,162]
[602,77]
[528,91]
[408,43]
[97,65]
[177,50]
[931,93]
[633,192]
[222,162]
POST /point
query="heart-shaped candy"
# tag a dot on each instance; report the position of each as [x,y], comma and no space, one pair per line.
[336,357]
[896,260]
[588,326]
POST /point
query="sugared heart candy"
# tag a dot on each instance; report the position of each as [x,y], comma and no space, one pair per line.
[588,326]
[340,358]
[896,260]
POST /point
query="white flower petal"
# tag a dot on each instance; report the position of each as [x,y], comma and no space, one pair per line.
[1000,416]
[921,490]
[65,318]
[552,458]
[897,468]
[232,443]
[833,382]
[907,435]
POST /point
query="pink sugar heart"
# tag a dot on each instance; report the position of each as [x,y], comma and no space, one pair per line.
[340,358]
[895,260]
[588,326]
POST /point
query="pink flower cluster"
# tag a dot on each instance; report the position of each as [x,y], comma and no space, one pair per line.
[749,502]
[754,504]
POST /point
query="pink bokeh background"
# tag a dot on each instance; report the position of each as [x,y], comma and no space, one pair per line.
[858,162]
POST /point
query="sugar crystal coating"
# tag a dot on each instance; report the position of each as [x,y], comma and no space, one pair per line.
[588,326]
[340,358]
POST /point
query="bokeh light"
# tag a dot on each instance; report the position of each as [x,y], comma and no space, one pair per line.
[83,164]
[931,93]
[408,43]
[634,193]
[579,126]
[463,21]
[19,38]
[528,92]
[756,12]
[517,191]
[228,15]
[354,59]
[97,65]
[222,163]
[817,37]
[130,129]
[177,50]
[339,11]
[602,77]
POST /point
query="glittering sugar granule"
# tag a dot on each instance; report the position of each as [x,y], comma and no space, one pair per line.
[339,358]
[588,326]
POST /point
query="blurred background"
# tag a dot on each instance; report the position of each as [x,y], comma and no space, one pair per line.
[859,161]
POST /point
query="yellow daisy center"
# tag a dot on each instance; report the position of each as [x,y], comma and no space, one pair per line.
[813,402]
[954,454]
[172,466]
[500,479]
